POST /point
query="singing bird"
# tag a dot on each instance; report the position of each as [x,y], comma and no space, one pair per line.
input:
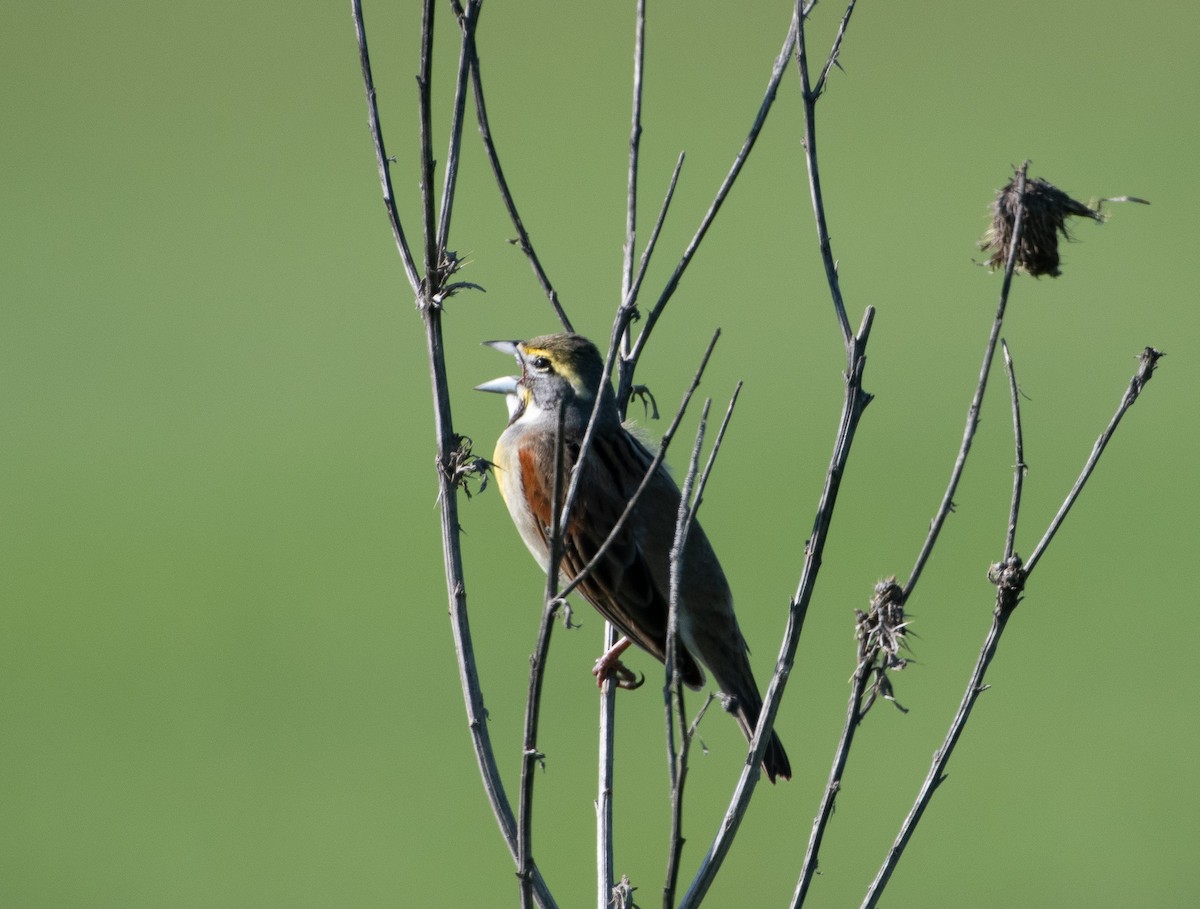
[630,585]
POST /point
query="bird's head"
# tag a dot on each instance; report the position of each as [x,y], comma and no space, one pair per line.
[554,368]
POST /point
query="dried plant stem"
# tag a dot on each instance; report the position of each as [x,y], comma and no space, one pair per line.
[1147,362]
[673,687]
[523,240]
[382,160]
[853,404]
[739,162]
[635,139]
[530,756]
[677,760]
[936,773]
[604,803]
[608,702]
[1010,577]
[947,504]
[1019,466]
[428,290]
[811,95]
[854,714]
[467,19]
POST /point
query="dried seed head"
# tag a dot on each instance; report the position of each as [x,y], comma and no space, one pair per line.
[1046,211]
[882,637]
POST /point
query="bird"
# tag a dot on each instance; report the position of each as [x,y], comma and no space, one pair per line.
[630,585]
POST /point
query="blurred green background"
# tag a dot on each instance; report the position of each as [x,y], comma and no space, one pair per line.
[227,675]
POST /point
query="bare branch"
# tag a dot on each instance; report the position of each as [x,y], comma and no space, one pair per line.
[635,139]
[853,404]
[1008,581]
[810,97]
[467,20]
[832,60]
[530,756]
[739,161]
[449,443]
[1020,468]
[1010,578]
[673,687]
[1147,362]
[425,118]
[632,294]
[886,593]
[947,505]
[382,160]
[604,803]
[523,241]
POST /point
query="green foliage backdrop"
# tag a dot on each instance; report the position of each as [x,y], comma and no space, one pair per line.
[226,675]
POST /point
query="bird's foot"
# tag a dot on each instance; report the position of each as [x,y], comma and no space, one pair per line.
[609,666]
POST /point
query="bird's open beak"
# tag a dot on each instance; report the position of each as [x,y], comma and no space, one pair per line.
[508,347]
[505,385]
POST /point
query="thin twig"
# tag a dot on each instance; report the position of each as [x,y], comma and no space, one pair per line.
[841,755]
[382,160]
[678,764]
[530,756]
[947,504]
[722,192]
[424,95]
[635,140]
[1147,362]
[604,831]
[523,240]
[853,404]
[604,801]
[810,97]
[1020,468]
[673,687]
[467,20]
[632,294]
[1005,602]
[832,60]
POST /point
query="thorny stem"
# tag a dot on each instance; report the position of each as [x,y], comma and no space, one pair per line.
[947,505]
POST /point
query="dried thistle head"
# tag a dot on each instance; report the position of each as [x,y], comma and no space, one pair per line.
[1046,211]
[882,635]
[881,629]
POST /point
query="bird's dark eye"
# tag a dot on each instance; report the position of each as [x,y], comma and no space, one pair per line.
[542,364]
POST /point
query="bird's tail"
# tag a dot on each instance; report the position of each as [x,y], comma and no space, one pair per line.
[775,760]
